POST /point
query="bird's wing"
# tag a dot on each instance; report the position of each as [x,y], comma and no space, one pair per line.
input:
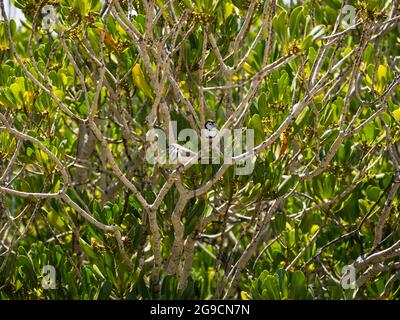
[183,150]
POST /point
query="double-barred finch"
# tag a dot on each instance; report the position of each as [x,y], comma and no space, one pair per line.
[179,154]
[211,128]
[211,133]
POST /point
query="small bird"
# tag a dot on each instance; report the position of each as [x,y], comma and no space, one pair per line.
[211,128]
[180,155]
[212,152]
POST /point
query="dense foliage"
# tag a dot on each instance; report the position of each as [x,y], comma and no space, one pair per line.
[317,81]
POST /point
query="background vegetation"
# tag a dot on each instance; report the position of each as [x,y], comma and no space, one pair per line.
[317,84]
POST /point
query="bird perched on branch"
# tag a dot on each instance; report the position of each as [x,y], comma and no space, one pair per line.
[211,129]
[210,133]
[180,154]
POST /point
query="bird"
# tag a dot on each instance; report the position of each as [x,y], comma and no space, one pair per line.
[178,154]
[210,133]
[182,155]
[211,129]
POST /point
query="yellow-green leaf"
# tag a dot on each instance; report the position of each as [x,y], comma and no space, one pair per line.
[244,295]
[382,73]
[140,81]
[396,114]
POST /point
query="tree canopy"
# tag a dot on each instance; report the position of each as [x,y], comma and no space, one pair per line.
[83,84]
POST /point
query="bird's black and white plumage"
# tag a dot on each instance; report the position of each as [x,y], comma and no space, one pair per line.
[178,154]
[181,155]
[211,129]
[212,152]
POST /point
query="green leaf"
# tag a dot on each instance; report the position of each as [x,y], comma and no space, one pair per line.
[298,285]
[28,268]
[142,288]
[294,20]
[287,184]
[258,130]
[396,114]
[262,105]
[105,290]
[317,32]
[279,222]
[97,271]
[382,74]
[271,284]
[373,193]
[87,249]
